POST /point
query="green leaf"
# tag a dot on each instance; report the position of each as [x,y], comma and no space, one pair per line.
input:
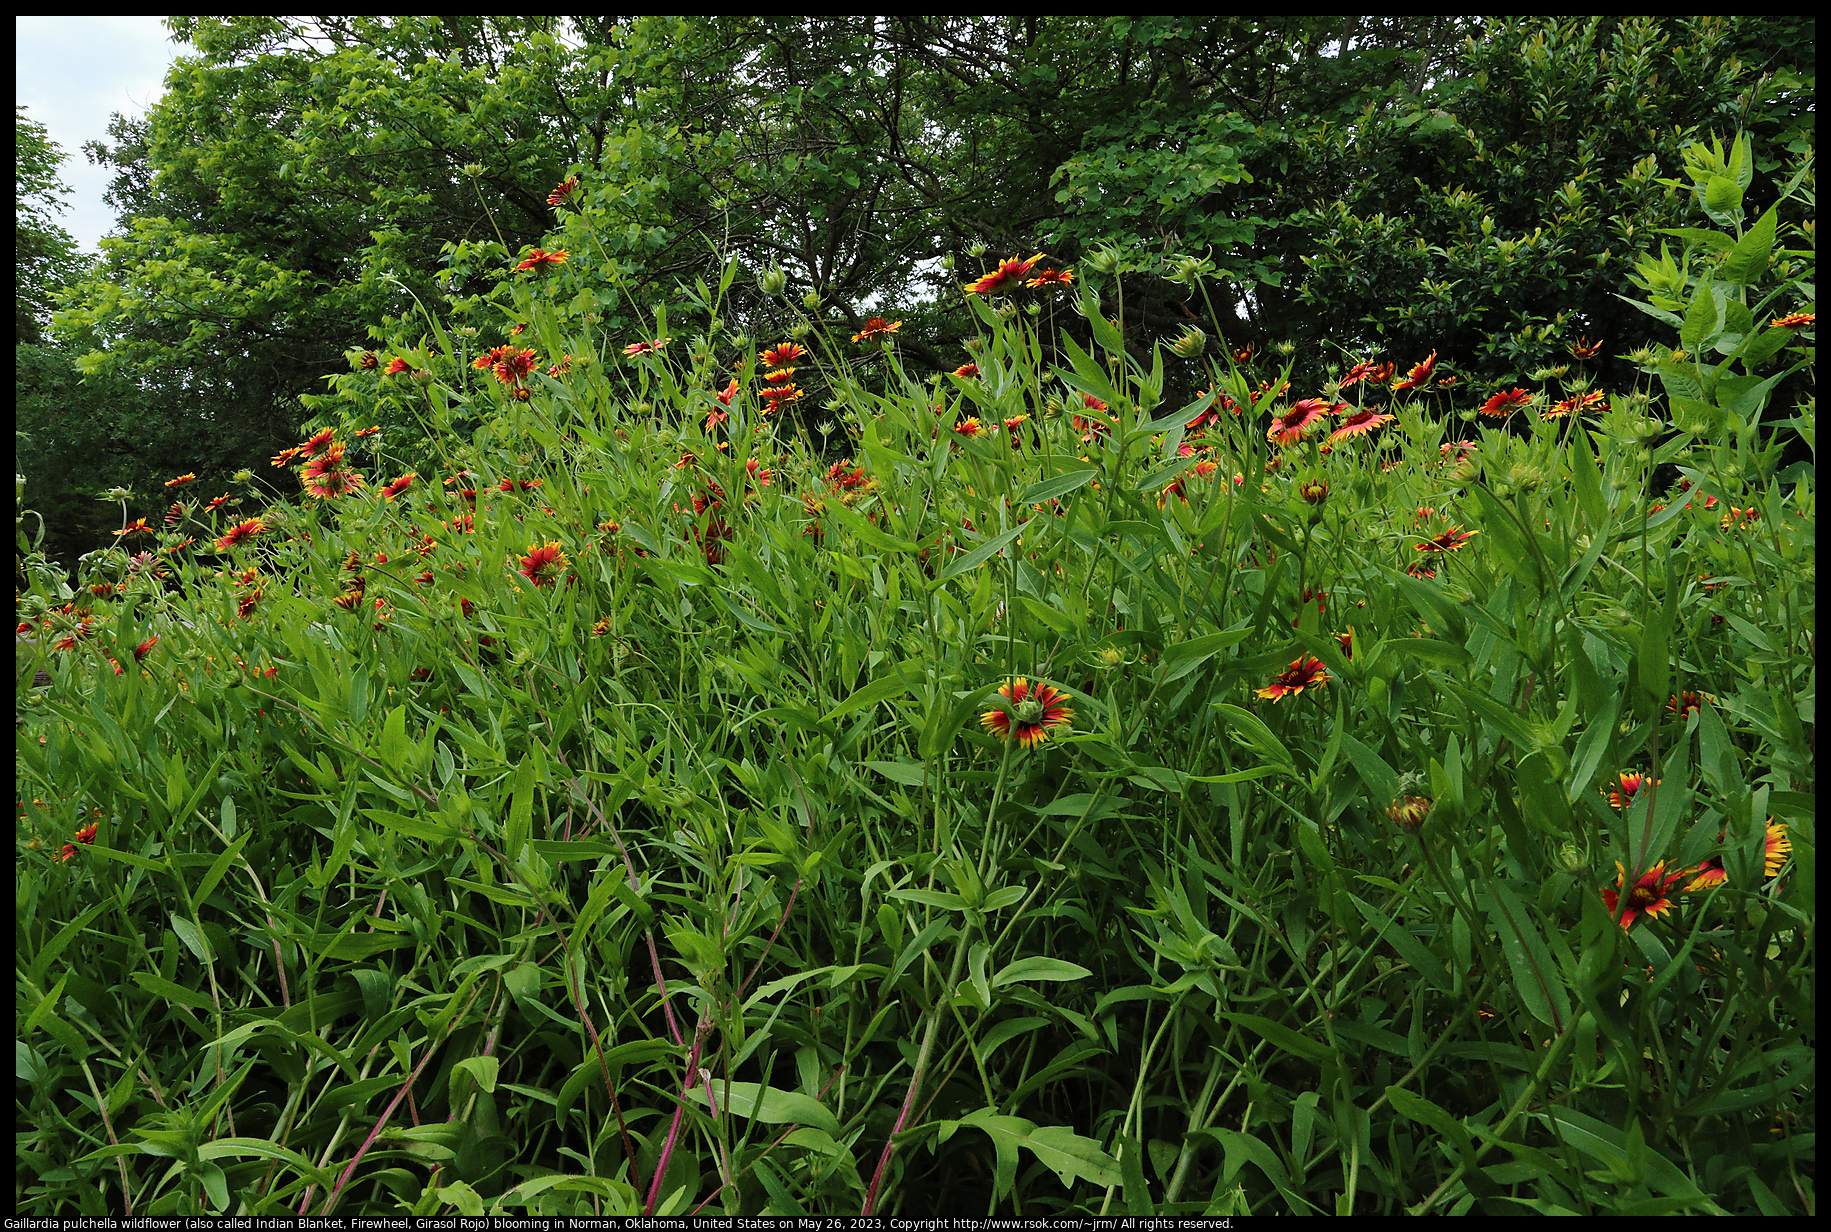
[1591,747]
[1428,966]
[981,554]
[908,773]
[426,827]
[1069,1155]
[193,938]
[1423,1111]
[1058,485]
[770,1105]
[890,684]
[159,986]
[482,1070]
[394,744]
[1255,733]
[1430,650]
[1535,973]
[1381,779]
[1160,475]
[48,953]
[867,532]
[1586,478]
[1184,657]
[931,898]
[1701,319]
[1105,333]
[1282,1036]
[1051,969]
[1723,200]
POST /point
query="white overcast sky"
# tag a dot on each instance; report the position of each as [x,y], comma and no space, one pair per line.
[73,73]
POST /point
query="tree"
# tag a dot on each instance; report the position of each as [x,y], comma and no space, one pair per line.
[1498,221]
[45,257]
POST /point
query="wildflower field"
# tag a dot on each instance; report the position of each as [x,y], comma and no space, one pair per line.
[564,785]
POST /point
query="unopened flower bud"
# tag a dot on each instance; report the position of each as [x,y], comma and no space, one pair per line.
[1103,260]
[1409,812]
[1187,270]
[1189,343]
[772,280]
[1570,857]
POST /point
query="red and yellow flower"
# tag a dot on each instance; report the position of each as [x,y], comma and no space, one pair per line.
[1708,875]
[1626,787]
[540,259]
[781,356]
[1008,276]
[876,327]
[86,835]
[1305,672]
[1779,846]
[1583,348]
[1358,423]
[1502,403]
[1297,423]
[1030,713]
[511,364]
[1449,541]
[1420,374]
[1649,896]
[327,477]
[542,564]
[239,533]
[1052,278]
[1594,400]
[1087,427]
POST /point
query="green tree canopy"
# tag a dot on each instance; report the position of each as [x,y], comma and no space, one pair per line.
[45,257]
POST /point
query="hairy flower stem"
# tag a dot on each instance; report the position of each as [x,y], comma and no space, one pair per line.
[700,1033]
[921,1067]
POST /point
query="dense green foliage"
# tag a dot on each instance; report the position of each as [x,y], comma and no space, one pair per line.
[1476,188]
[608,808]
